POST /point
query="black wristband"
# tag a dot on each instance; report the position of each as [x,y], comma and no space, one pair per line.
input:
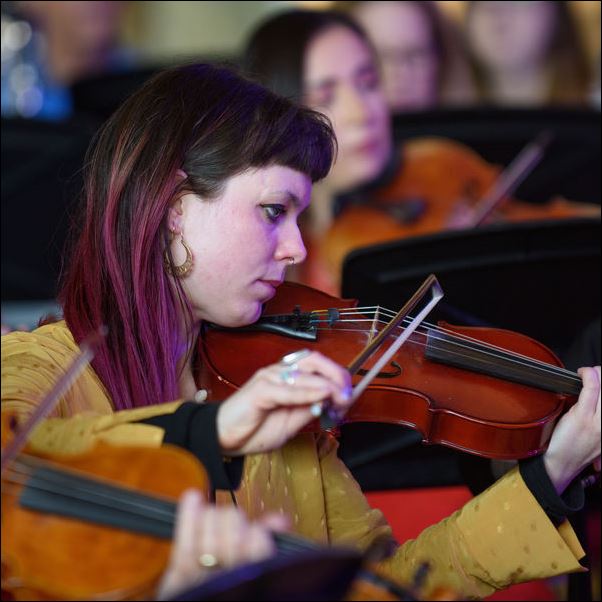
[193,426]
[533,472]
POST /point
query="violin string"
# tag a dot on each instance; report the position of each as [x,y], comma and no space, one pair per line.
[95,494]
[20,472]
[455,338]
[436,328]
[481,347]
[89,490]
[458,354]
[508,355]
[138,510]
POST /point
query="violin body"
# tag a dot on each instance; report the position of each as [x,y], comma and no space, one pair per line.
[452,405]
[49,557]
[436,176]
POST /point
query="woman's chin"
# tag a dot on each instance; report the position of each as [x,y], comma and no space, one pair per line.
[245,316]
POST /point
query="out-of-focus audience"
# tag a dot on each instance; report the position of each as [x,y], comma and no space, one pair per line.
[47,46]
[420,50]
[527,53]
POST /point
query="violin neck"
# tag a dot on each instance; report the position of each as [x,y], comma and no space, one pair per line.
[448,349]
[59,491]
[54,490]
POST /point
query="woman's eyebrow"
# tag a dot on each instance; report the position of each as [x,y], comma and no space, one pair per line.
[289,195]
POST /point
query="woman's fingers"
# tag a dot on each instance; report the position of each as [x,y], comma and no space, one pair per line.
[190,511]
[257,543]
[274,397]
[320,364]
[313,371]
[589,398]
[184,568]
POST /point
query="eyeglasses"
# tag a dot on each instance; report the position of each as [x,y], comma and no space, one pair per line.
[412,57]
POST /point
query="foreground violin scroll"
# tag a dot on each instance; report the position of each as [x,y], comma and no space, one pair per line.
[491,392]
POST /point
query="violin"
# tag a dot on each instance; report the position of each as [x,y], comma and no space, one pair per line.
[96,525]
[99,525]
[486,391]
[437,176]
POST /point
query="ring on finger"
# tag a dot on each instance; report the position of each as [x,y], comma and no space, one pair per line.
[209,561]
[288,375]
[291,359]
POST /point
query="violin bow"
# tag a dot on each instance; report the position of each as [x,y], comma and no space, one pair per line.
[511,177]
[330,417]
[82,359]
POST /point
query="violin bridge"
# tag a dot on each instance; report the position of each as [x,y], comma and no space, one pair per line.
[374,326]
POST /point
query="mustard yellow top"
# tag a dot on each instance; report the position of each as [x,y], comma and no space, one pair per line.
[499,538]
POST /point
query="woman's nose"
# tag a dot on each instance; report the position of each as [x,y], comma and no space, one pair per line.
[293,247]
[355,108]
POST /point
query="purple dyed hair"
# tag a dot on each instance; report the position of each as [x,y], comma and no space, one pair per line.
[211,123]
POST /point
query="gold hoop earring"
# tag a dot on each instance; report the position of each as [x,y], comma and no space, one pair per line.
[182,270]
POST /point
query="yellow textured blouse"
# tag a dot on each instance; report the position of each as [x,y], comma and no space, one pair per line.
[499,538]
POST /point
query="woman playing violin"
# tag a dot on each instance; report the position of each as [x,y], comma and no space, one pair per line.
[193,196]
[377,192]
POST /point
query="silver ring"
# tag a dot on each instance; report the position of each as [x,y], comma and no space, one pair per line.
[291,359]
[209,561]
[288,375]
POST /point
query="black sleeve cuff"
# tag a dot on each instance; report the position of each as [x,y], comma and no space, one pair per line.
[193,426]
[555,506]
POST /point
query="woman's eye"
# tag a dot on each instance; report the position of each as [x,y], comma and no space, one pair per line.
[273,212]
[368,81]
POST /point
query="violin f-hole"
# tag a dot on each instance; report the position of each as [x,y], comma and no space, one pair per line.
[395,372]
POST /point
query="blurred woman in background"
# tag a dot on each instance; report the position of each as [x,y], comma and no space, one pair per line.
[527,53]
[421,54]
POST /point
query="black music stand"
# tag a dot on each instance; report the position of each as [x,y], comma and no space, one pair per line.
[41,183]
[538,278]
[570,166]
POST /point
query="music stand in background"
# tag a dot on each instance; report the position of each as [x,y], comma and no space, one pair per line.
[101,95]
[538,278]
[570,166]
[541,279]
[41,184]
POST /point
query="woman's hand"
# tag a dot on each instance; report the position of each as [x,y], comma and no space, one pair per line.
[208,538]
[575,442]
[276,403]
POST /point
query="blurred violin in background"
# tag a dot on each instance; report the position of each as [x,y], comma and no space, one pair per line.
[442,185]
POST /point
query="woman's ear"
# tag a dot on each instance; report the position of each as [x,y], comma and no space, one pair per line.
[175,216]
[176,210]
